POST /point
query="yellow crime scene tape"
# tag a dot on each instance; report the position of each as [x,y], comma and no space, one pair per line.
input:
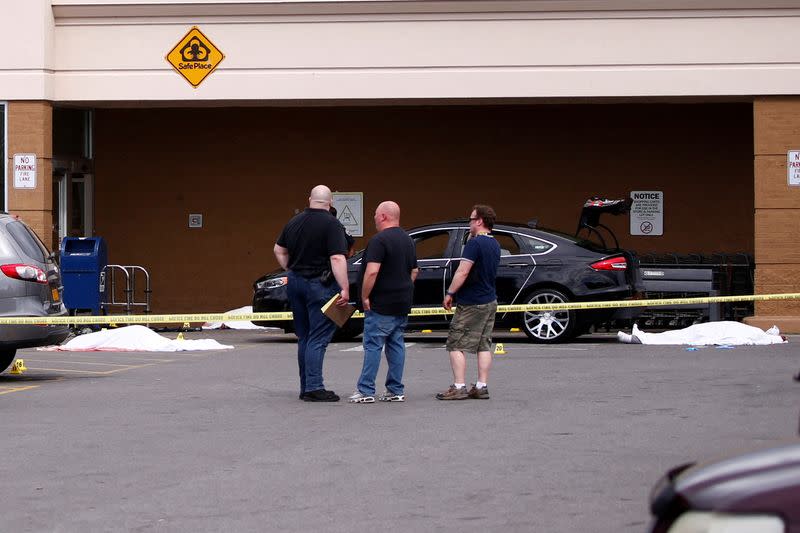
[417,311]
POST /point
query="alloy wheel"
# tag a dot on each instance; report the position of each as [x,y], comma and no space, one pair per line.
[552,325]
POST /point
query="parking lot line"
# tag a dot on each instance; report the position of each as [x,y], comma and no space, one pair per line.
[360,348]
[73,362]
[148,359]
[564,349]
[123,356]
[49,366]
[94,372]
[9,390]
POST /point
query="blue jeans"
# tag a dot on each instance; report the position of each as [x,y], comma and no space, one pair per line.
[313,329]
[379,331]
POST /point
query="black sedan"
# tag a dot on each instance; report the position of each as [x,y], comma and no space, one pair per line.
[536,266]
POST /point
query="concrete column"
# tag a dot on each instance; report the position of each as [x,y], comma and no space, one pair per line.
[30,131]
[777,212]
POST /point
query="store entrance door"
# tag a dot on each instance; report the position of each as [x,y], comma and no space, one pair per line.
[73,205]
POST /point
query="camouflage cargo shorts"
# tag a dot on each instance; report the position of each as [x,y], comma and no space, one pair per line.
[471,328]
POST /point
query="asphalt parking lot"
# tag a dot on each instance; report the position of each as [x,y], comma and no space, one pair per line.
[573,438]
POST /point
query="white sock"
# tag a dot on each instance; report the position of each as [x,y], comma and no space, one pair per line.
[460,385]
[480,385]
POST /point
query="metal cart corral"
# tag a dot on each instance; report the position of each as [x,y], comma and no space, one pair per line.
[696,275]
[126,297]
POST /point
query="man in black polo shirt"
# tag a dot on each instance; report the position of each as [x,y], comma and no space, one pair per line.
[310,247]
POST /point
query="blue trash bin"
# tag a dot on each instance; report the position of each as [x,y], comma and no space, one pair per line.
[83,260]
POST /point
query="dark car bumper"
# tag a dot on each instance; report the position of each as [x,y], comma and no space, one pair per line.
[272,301]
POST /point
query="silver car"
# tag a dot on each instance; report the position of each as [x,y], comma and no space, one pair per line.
[30,286]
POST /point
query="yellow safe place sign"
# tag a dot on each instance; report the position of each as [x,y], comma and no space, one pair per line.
[195,57]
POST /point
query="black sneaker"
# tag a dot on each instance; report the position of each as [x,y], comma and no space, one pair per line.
[320,395]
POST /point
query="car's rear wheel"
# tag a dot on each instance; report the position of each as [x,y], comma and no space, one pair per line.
[552,326]
[6,358]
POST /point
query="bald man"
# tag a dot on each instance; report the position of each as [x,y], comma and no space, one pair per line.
[387,279]
[312,247]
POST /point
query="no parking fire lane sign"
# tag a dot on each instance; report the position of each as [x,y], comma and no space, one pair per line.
[793,168]
[24,171]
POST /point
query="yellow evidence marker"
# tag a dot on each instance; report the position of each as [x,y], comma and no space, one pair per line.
[18,367]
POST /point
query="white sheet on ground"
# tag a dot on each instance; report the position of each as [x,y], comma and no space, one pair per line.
[709,333]
[133,339]
[235,324]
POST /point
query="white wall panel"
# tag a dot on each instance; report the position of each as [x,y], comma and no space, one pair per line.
[529,43]
[114,50]
[26,38]
[453,83]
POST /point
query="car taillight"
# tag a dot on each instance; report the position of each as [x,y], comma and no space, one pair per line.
[612,263]
[25,272]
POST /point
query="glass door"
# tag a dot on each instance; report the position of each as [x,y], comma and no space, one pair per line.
[73,205]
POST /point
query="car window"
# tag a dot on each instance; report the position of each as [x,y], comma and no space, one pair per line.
[583,243]
[533,245]
[432,245]
[508,243]
[6,249]
[28,241]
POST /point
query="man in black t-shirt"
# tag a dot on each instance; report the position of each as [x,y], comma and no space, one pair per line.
[311,247]
[387,276]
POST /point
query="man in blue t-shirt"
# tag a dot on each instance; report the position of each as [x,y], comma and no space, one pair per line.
[473,286]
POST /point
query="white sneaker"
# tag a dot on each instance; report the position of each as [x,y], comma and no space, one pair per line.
[359,397]
[624,337]
[391,397]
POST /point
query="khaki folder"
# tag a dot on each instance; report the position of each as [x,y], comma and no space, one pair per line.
[339,315]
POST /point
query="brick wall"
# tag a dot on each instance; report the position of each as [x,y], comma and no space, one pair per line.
[30,131]
[777,208]
[247,169]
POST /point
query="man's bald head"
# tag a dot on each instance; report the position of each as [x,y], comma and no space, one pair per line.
[387,215]
[320,197]
[390,209]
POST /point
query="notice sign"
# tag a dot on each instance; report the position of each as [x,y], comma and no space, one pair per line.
[195,57]
[24,171]
[647,213]
[350,211]
[793,168]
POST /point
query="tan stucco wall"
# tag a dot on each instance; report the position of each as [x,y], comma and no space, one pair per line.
[27,31]
[247,170]
[395,56]
[113,50]
[777,218]
[30,131]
